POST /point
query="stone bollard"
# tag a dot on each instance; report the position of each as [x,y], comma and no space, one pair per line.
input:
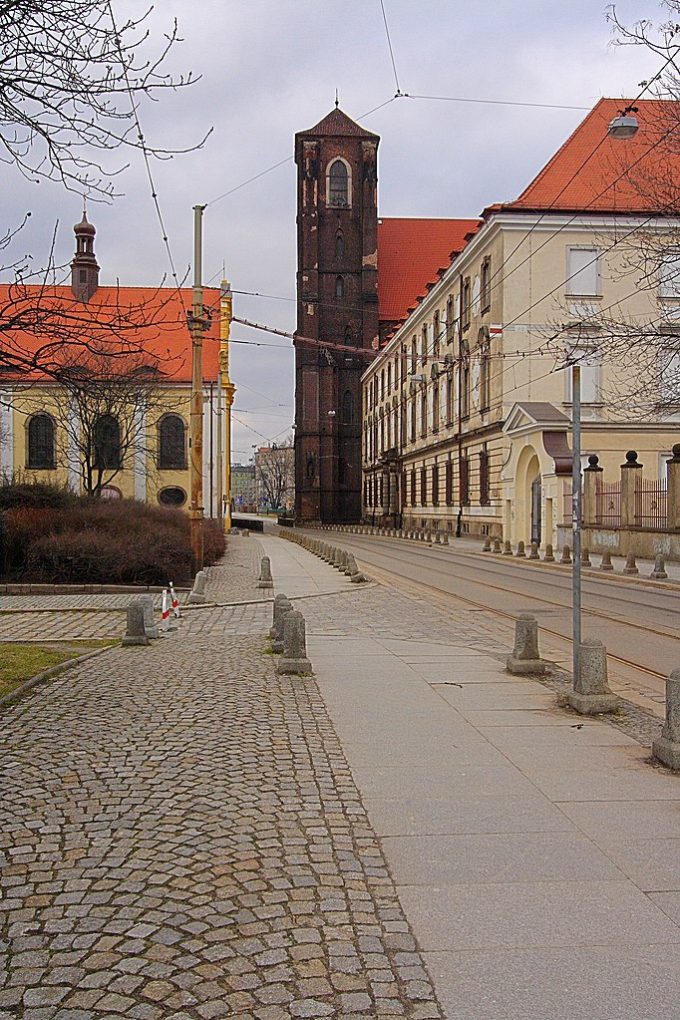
[606,561]
[279,600]
[667,747]
[265,578]
[496,546]
[353,572]
[566,555]
[631,565]
[294,659]
[585,557]
[197,594]
[592,695]
[277,641]
[135,633]
[659,572]
[549,554]
[507,548]
[437,538]
[487,545]
[533,554]
[150,626]
[445,538]
[246,533]
[525,658]
[520,550]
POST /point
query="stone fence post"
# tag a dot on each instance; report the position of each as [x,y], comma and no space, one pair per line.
[592,485]
[673,497]
[629,481]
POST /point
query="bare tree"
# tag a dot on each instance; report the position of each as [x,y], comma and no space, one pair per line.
[275,473]
[72,83]
[102,415]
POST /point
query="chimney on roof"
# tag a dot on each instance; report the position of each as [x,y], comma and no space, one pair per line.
[84,267]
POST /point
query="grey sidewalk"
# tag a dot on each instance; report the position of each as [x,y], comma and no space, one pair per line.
[537,856]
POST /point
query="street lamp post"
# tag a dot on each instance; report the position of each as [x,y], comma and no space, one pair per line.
[196,325]
[576,519]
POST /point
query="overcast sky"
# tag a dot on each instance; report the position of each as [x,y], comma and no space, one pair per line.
[270,68]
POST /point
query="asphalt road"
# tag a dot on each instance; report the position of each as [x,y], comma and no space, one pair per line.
[639,623]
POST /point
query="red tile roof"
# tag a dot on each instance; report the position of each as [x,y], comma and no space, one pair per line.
[593,171]
[410,253]
[340,125]
[128,320]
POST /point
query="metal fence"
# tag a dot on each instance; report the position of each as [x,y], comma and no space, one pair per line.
[651,503]
[608,504]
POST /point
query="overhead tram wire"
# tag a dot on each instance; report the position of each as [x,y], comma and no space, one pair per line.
[493,102]
[389,44]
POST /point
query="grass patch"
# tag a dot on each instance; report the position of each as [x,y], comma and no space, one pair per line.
[20,662]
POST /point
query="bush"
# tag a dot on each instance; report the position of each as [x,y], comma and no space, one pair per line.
[52,536]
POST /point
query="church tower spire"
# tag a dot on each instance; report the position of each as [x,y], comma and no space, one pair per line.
[84,267]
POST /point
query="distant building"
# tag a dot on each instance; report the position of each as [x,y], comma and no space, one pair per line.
[243,490]
[275,477]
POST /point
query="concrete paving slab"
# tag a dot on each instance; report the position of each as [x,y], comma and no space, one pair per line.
[625,783]
[597,983]
[584,734]
[409,815]
[535,914]
[544,716]
[669,902]
[531,759]
[632,818]
[451,781]
[509,695]
[653,864]
[498,857]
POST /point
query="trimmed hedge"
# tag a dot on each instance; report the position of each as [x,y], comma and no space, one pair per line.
[45,538]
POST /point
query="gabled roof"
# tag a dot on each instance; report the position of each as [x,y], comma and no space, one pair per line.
[410,254]
[121,320]
[339,124]
[593,171]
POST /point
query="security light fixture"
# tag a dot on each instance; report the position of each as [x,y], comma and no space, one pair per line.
[624,125]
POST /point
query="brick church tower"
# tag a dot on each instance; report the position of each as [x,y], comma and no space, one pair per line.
[337,304]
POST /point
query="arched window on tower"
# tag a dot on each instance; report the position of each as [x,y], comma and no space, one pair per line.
[347,408]
[339,244]
[41,435]
[171,443]
[339,287]
[338,184]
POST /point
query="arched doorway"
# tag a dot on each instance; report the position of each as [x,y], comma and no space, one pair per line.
[536,500]
[528,497]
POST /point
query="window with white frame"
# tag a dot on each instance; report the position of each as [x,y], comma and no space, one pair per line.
[583,271]
[590,363]
[669,375]
[669,275]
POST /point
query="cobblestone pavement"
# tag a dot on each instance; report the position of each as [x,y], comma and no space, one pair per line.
[54,626]
[235,578]
[183,838]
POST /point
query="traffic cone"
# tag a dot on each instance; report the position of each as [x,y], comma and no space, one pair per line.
[175,602]
[165,612]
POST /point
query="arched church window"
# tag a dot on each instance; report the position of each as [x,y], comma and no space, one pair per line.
[171,443]
[107,453]
[339,287]
[338,184]
[339,244]
[41,436]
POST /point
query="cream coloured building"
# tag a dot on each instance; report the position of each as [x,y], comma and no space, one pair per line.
[467,407]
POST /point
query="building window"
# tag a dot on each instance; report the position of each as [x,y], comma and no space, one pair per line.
[402,409]
[413,419]
[339,245]
[669,376]
[435,485]
[669,275]
[389,378]
[41,443]
[423,414]
[171,444]
[484,478]
[484,369]
[583,273]
[423,486]
[449,400]
[413,486]
[464,482]
[464,380]
[423,340]
[485,285]
[449,483]
[465,303]
[590,362]
[449,321]
[338,184]
[347,408]
[414,356]
[107,443]
[339,287]
[436,329]
[349,336]
[171,496]
[435,408]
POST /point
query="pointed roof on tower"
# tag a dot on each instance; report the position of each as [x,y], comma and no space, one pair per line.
[337,124]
